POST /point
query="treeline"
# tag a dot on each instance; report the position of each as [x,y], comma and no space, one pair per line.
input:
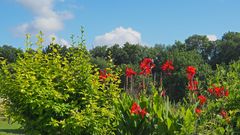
[221,51]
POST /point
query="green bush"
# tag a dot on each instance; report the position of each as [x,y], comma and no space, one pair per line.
[163,117]
[229,78]
[48,93]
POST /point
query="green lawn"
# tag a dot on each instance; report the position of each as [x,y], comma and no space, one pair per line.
[6,129]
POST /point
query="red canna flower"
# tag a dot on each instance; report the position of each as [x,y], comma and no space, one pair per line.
[167,66]
[147,71]
[191,71]
[136,109]
[143,112]
[210,90]
[103,74]
[130,72]
[226,93]
[192,85]
[202,99]
[146,63]
[146,66]
[218,91]
[198,111]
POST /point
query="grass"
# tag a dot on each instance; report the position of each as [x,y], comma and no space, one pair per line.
[9,129]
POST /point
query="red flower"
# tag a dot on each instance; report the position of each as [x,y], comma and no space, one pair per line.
[191,71]
[147,71]
[202,99]
[143,112]
[210,90]
[198,111]
[218,91]
[136,109]
[192,85]
[146,66]
[130,72]
[103,74]
[167,66]
[223,113]
[226,93]
[146,62]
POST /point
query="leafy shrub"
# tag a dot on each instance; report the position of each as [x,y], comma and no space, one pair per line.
[215,119]
[162,116]
[48,93]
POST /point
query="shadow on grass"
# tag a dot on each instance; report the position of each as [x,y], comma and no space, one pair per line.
[12,131]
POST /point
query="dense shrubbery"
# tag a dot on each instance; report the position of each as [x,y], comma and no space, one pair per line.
[164,90]
[48,93]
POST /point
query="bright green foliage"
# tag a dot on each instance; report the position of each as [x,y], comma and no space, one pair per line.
[229,78]
[163,117]
[48,93]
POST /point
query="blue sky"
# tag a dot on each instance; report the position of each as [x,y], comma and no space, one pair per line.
[117,21]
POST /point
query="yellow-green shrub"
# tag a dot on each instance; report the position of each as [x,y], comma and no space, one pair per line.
[48,93]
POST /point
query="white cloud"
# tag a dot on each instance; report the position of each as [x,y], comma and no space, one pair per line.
[57,40]
[119,36]
[64,42]
[212,37]
[45,18]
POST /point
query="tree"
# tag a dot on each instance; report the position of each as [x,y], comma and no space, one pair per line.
[201,44]
[9,53]
[119,56]
[99,51]
[227,49]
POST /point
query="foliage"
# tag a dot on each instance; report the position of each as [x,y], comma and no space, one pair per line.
[162,116]
[9,53]
[48,93]
[229,78]
[61,90]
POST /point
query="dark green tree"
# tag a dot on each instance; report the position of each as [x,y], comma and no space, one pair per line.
[9,53]
[227,49]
